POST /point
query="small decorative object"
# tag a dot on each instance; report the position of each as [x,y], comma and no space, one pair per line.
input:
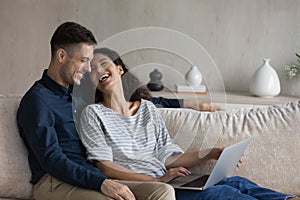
[155,83]
[293,70]
[265,81]
[193,79]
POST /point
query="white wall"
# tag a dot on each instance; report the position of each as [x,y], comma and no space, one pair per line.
[238,34]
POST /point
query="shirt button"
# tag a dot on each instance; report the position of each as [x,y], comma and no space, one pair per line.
[75,111]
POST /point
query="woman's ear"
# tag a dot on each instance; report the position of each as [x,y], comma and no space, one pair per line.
[121,70]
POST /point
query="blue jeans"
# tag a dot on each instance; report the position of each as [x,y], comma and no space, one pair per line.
[232,188]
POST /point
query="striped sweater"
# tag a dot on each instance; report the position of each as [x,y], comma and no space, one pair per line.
[140,142]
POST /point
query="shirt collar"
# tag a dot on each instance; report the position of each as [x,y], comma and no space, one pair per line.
[54,86]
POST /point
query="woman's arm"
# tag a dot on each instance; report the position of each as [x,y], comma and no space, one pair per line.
[115,171]
[190,159]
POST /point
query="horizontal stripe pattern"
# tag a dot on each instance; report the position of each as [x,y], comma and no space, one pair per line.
[140,142]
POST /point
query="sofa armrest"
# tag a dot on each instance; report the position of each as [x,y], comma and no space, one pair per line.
[14,168]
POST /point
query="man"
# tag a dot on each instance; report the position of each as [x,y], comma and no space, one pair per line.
[45,120]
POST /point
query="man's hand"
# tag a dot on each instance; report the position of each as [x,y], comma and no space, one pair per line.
[206,106]
[200,105]
[116,190]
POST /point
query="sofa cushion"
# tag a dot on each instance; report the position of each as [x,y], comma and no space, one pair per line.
[272,158]
[14,169]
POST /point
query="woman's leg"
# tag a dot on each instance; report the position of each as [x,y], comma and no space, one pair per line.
[250,188]
[218,192]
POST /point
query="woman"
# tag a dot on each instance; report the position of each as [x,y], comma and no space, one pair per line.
[128,140]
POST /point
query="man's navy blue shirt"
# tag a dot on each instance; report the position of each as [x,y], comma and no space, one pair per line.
[162,102]
[46,125]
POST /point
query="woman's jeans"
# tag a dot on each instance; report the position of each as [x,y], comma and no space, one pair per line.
[232,188]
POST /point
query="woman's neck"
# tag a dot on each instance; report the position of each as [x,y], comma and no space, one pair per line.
[122,107]
[116,101]
[113,98]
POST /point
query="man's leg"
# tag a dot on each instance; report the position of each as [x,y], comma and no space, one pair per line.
[150,190]
[49,188]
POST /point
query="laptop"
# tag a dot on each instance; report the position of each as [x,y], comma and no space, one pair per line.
[224,167]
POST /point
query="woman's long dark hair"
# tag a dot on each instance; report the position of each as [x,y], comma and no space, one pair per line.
[132,86]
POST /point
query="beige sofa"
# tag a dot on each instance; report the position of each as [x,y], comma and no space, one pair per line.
[272,159]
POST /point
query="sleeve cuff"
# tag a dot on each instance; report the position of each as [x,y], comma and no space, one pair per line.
[100,153]
[167,151]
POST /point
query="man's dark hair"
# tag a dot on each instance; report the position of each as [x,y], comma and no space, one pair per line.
[68,35]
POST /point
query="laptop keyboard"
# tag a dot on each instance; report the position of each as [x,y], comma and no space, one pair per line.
[198,182]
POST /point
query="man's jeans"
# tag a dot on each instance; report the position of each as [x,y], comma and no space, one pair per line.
[232,188]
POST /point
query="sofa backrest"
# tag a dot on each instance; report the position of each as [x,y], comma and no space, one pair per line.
[272,158]
[14,169]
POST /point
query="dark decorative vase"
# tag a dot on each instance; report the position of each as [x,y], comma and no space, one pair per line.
[155,83]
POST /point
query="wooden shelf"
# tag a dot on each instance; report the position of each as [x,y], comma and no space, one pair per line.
[228,97]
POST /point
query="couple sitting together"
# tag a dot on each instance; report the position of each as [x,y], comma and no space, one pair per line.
[122,149]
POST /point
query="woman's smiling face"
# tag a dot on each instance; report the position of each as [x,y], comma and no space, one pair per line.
[104,73]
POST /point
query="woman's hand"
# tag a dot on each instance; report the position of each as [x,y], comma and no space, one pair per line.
[173,173]
[239,163]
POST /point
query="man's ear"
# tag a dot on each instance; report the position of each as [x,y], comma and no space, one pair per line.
[61,55]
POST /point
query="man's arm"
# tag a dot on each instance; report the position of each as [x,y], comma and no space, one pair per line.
[200,105]
[167,103]
[185,103]
[36,124]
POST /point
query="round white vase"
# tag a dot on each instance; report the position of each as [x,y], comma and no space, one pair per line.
[265,81]
[193,77]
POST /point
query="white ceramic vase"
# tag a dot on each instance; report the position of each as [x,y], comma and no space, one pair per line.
[193,77]
[265,81]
